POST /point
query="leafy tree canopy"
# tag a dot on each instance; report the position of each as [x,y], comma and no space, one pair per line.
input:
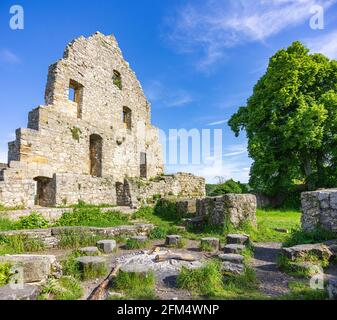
[230,186]
[291,123]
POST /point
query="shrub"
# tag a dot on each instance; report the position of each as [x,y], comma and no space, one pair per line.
[33,221]
[138,286]
[65,288]
[229,186]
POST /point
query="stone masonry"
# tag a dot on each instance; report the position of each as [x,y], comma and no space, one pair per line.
[231,209]
[92,134]
[319,210]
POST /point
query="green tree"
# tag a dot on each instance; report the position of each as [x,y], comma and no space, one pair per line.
[291,123]
[230,186]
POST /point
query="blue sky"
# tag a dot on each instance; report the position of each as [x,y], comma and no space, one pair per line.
[197,60]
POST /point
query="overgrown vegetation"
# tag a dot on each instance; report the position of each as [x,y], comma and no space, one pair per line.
[299,236]
[136,286]
[65,288]
[92,217]
[20,244]
[133,244]
[33,221]
[209,282]
[5,273]
[302,291]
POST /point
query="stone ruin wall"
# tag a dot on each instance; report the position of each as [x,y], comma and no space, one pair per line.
[231,209]
[181,185]
[319,210]
[53,151]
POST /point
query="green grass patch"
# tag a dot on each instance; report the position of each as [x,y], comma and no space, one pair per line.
[7,224]
[4,208]
[133,244]
[20,244]
[65,288]
[182,243]
[206,247]
[302,291]
[136,286]
[33,221]
[5,273]
[92,217]
[72,239]
[299,236]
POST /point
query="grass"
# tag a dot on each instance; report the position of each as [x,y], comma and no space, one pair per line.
[70,239]
[65,288]
[299,236]
[7,224]
[302,291]
[133,244]
[4,208]
[209,282]
[92,217]
[182,243]
[71,267]
[5,273]
[20,244]
[136,286]
[33,221]
[294,268]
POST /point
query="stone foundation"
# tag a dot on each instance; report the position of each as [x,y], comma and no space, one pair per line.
[230,208]
[319,210]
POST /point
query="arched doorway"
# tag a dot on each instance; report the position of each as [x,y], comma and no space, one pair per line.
[96,153]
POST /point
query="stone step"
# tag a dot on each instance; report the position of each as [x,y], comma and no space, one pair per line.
[211,243]
[237,239]
[319,250]
[233,268]
[107,246]
[234,248]
[231,257]
[173,240]
[89,251]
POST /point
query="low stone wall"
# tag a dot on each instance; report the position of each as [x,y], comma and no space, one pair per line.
[230,208]
[51,236]
[54,214]
[319,210]
[181,185]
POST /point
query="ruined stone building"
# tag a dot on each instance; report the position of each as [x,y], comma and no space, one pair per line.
[92,135]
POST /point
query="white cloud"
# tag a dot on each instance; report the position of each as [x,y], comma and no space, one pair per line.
[236,150]
[217,122]
[211,26]
[326,44]
[168,97]
[8,56]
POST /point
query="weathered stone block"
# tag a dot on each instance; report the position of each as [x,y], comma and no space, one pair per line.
[34,268]
[237,239]
[233,268]
[92,267]
[231,257]
[107,246]
[89,251]
[234,248]
[19,292]
[320,251]
[212,244]
[173,240]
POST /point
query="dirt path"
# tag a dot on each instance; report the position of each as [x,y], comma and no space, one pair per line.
[273,282]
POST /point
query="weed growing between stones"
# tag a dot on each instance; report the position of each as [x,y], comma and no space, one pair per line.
[70,239]
[182,243]
[136,286]
[70,266]
[90,272]
[302,291]
[20,244]
[5,273]
[65,288]
[6,224]
[158,233]
[306,266]
[132,244]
